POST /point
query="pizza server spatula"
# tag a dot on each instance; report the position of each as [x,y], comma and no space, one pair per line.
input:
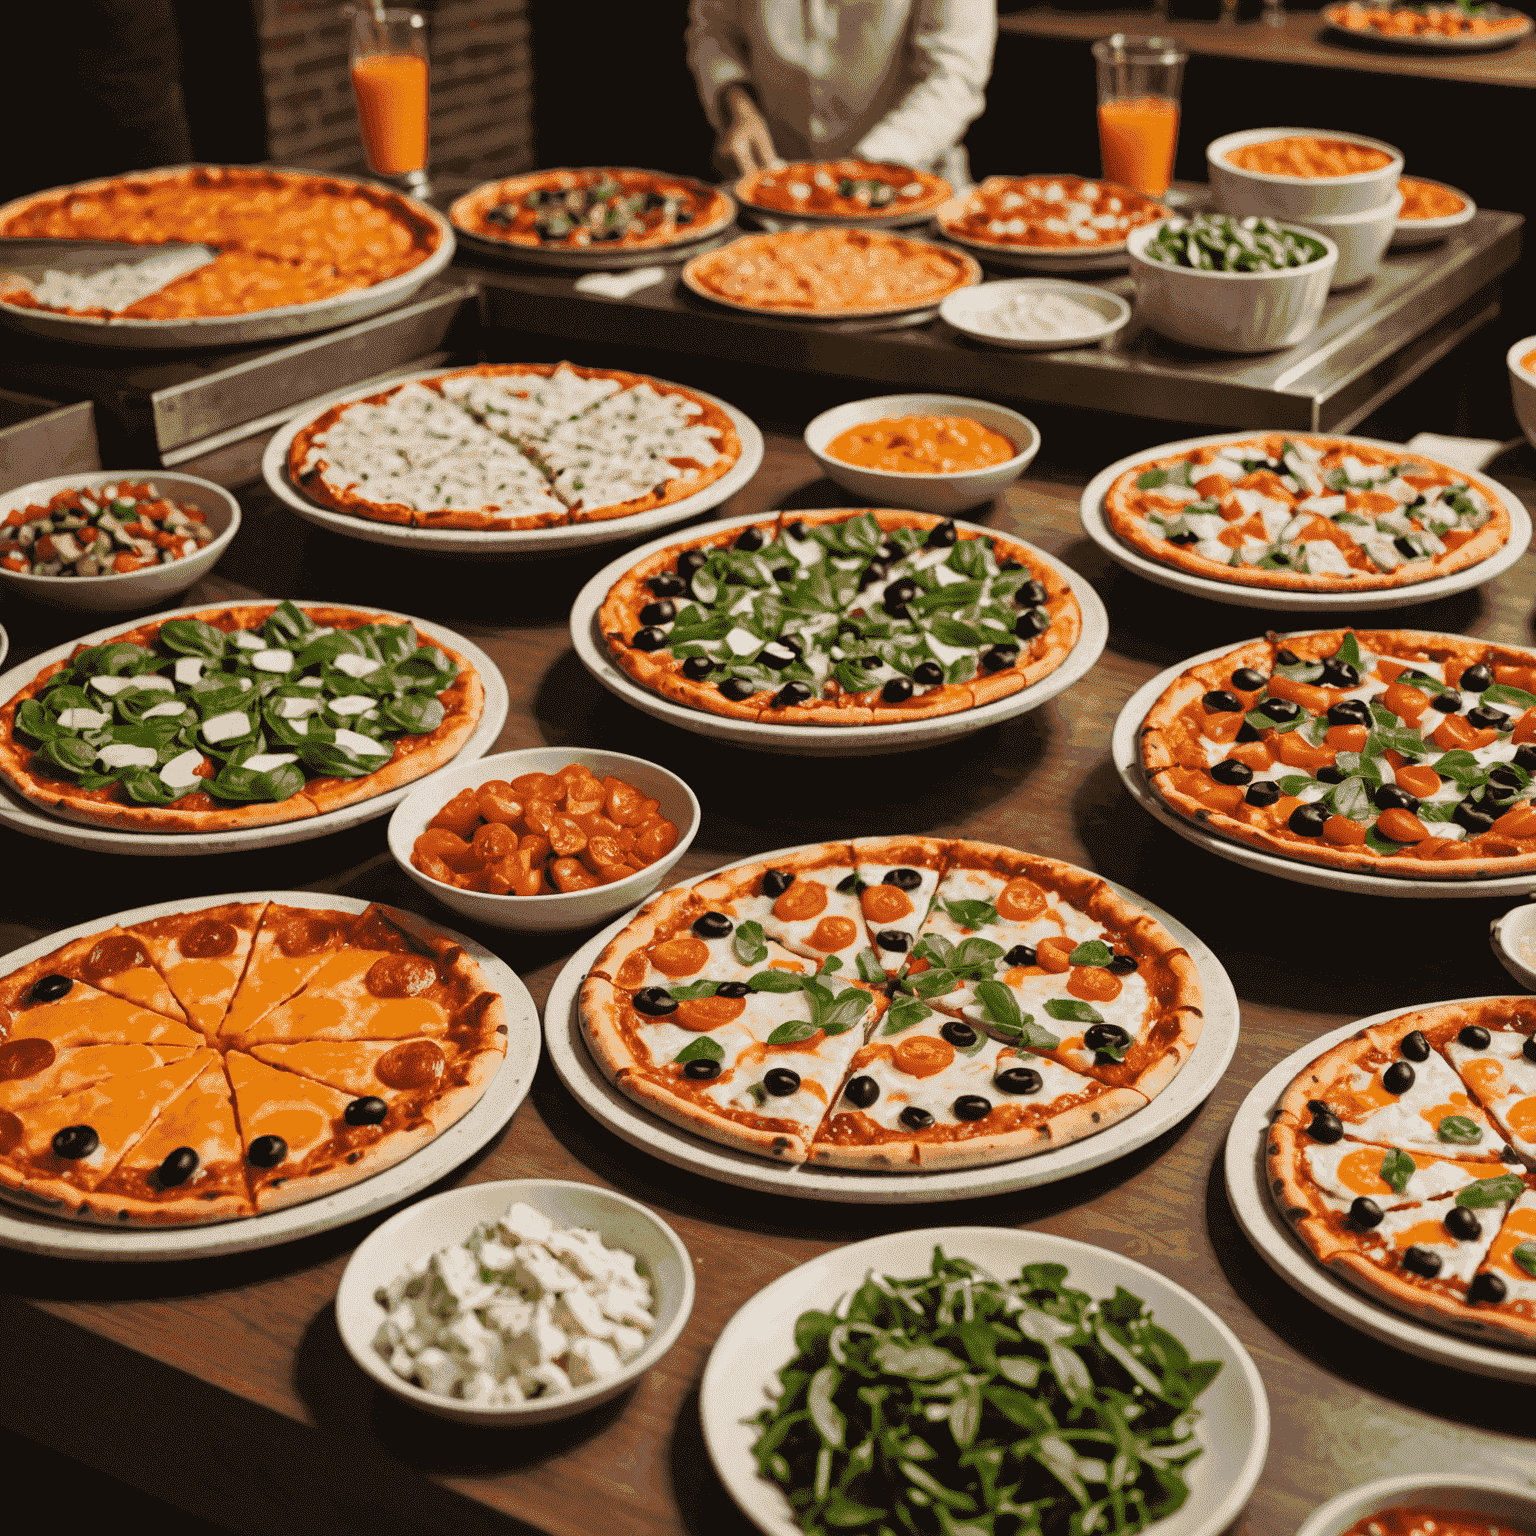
[32,257]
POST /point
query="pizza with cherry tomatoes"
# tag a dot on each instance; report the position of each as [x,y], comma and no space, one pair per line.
[895,1004]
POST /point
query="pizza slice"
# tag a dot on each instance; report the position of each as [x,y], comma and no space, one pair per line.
[1507,1279]
[62,1012]
[897,879]
[291,944]
[1496,1058]
[32,1071]
[115,962]
[202,956]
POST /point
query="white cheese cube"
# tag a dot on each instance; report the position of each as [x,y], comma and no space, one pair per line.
[273,661]
[1382,551]
[188,669]
[1326,559]
[508,1315]
[479,1388]
[523,1224]
[112,686]
[591,1360]
[538,1344]
[230,726]
[459,1275]
[495,1257]
[582,1249]
[507,1395]
[538,1273]
[437,1371]
[403,1363]
[121,755]
[625,1304]
[468,1336]
[84,719]
[538,1380]
[350,704]
[296,709]
[244,640]
[740,642]
[170,707]
[363,746]
[265,762]
[354,665]
[181,772]
[1326,506]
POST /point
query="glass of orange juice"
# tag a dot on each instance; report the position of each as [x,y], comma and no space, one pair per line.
[389,79]
[1139,83]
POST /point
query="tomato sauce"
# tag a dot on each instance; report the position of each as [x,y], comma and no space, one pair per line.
[1425,200]
[1306,155]
[921,445]
[1415,1520]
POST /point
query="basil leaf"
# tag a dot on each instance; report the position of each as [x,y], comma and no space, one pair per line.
[34,722]
[776,981]
[852,678]
[1459,1130]
[936,949]
[1487,1192]
[974,957]
[1262,722]
[415,714]
[1300,671]
[118,658]
[747,944]
[1349,651]
[145,787]
[969,558]
[953,632]
[329,759]
[287,628]
[693,990]
[903,1013]
[971,914]
[961,670]
[792,1033]
[1091,952]
[1396,1169]
[1525,1256]
[1068,1009]
[934,982]
[1151,480]
[69,754]
[999,1004]
[236,783]
[1502,693]
[1352,798]
[702,1049]
[192,637]
[324,649]
[846,1010]
[868,965]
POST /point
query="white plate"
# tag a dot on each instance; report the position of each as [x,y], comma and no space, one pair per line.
[1513,938]
[967,311]
[513,542]
[1127,760]
[1234,1412]
[18,812]
[595,259]
[34,1232]
[829,740]
[1411,232]
[1096,525]
[1282,1250]
[629,1120]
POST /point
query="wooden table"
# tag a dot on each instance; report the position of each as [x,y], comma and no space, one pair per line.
[223,1386]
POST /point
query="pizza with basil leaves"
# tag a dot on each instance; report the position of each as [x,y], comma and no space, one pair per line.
[1405,1159]
[237,716]
[893,1003]
[1394,752]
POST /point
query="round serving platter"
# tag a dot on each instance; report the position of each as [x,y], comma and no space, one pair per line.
[20,814]
[515,542]
[740,1376]
[1259,1217]
[1415,44]
[828,740]
[1096,526]
[1052,261]
[1124,749]
[35,1232]
[634,1124]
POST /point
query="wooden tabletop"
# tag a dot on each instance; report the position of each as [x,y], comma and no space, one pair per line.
[222,1385]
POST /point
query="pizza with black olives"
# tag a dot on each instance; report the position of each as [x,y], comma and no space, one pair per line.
[1393,752]
[893,1003]
[841,618]
[1405,1160]
[851,190]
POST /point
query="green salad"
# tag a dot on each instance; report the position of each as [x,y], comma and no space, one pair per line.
[1216,242]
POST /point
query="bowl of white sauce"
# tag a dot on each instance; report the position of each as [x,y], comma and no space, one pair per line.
[1036,314]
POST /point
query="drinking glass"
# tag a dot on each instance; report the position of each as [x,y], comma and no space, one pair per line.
[1139,82]
[389,78]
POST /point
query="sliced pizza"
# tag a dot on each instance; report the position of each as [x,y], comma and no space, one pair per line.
[204,961]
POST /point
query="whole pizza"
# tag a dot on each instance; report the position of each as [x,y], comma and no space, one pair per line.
[1307,514]
[841,618]
[1404,1157]
[893,1003]
[1394,752]
[607,209]
[844,189]
[1052,214]
[282,237]
[237,716]
[514,445]
[234,1059]
[830,273]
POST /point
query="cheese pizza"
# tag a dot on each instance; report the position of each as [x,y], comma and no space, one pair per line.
[1056,215]
[1404,1156]
[893,1003]
[235,1058]
[854,190]
[516,445]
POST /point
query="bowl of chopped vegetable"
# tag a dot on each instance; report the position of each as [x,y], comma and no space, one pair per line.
[113,539]
[1489,1504]
[1231,285]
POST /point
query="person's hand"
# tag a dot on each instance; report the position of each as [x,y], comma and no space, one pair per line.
[747,139]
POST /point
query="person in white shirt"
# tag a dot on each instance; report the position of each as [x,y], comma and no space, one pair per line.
[822,79]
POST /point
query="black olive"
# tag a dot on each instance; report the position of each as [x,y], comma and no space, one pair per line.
[1404,546]
[267,1151]
[998,658]
[1487,1287]
[897,596]
[1364,1212]
[499,215]
[690,560]
[897,691]
[1307,820]
[890,551]
[50,989]
[1230,771]
[1246,732]
[929,674]
[959,1034]
[1475,1037]
[903,879]
[1392,797]
[1525,757]
[862,1092]
[850,885]
[750,539]
[1219,702]
[1399,1077]
[1262,792]
[178,1167]
[780,1081]
[783,573]
[1020,954]
[1185,538]
[1506,778]
[876,570]
[1287,658]
[1462,1224]
[1122,965]
[1019,1080]
[798,531]
[655,1001]
[776,882]
[1349,712]
[698,668]
[1339,674]
[701,1069]
[365,1111]
[1328,774]
[1316,1106]
[1446,703]
[649,639]
[1009,565]
[915,1119]
[869,663]
[946,533]
[75,1142]
[1326,1126]
[1106,1037]
[971,1106]
[712,925]
[1422,1261]
[1414,1045]
[1281,710]
[1528,1050]
[793,692]
[1246,680]
[1472,816]
[1031,595]
[662,612]
[893,938]
[1486,718]
[737,689]
[1475,679]
[1035,621]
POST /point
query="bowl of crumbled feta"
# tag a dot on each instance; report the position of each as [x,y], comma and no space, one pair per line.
[516,1302]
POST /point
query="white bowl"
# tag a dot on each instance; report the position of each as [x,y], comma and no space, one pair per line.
[1230,311]
[449,1218]
[1411,232]
[1448,1491]
[148,588]
[1513,938]
[1294,197]
[1522,385]
[941,494]
[1362,239]
[967,310]
[559,909]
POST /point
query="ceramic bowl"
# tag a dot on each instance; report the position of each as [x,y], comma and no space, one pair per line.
[941,494]
[149,588]
[1295,197]
[1522,384]
[449,1218]
[1513,938]
[1362,239]
[559,909]
[969,308]
[1449,1491]
[1230,311]
[1411,232]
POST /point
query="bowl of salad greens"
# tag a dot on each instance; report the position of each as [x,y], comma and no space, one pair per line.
[1230,284]
[980,1378]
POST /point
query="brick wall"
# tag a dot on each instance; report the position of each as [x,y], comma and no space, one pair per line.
[481,83]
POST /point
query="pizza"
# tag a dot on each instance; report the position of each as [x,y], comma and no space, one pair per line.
[1056,215]
[893,1003]
[1391,752]
[237,716]
[282,237]
[1307,514]
[844,189]
[830,273]
[841,618]
[594,209]
[1403,1158]
[235,1058]
[514,445]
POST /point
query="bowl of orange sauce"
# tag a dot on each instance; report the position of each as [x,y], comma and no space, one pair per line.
[1521,362]
[1431,210]
[1289,173]
[930,453]
[1428,1504]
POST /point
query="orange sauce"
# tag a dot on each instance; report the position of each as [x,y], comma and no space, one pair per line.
[1136,138]
[392,104]
[1304,155]
[921,445]
[1424,200]
[1415,1520]
[1528,362]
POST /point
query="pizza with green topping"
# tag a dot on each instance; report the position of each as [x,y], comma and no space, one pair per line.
[1393,752]
[1308,514]
[841,618]
[237,716]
